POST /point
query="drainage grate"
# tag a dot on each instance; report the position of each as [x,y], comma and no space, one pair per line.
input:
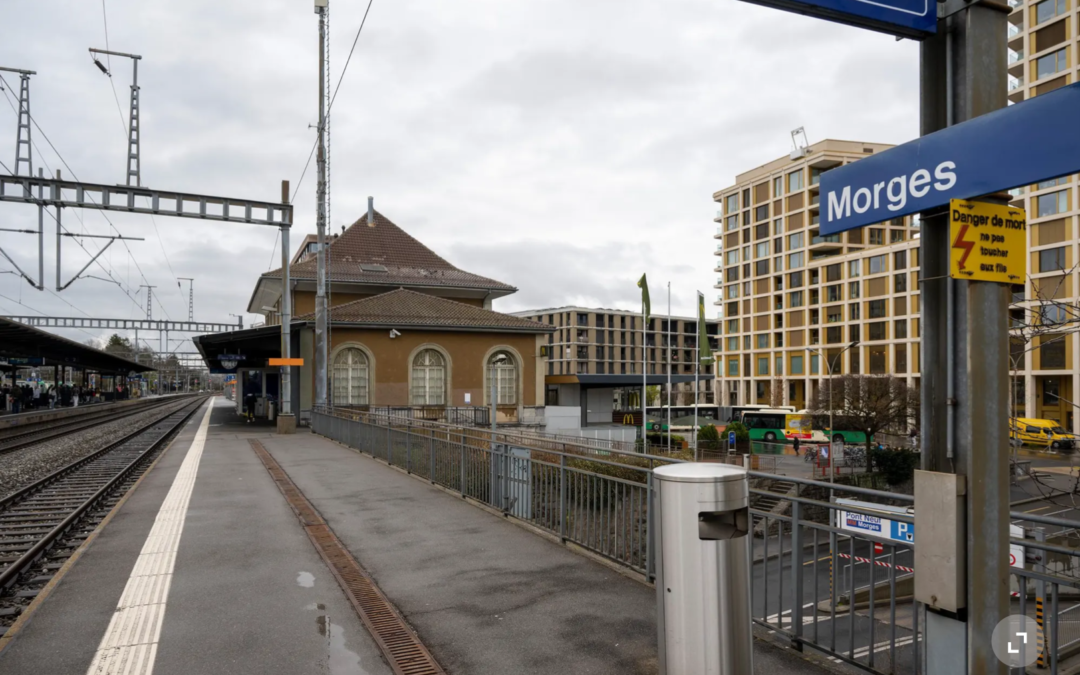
[399,644]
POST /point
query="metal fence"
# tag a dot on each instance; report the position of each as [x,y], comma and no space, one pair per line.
[846,594]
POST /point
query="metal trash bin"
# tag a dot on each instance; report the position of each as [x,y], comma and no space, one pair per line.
[702,541]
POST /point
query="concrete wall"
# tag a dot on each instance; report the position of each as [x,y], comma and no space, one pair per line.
[600,404]
[561,419]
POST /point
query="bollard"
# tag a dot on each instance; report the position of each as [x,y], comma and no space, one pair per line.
[703,569]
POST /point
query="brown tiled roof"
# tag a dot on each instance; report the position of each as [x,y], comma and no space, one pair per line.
[403,307]
[407,261]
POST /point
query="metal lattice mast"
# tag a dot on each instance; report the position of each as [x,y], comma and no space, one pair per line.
[149,301]
[24,153]
[134,164]
[191,296]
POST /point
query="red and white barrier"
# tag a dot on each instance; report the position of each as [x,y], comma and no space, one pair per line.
[877,562]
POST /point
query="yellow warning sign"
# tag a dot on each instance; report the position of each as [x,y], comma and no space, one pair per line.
[989,242]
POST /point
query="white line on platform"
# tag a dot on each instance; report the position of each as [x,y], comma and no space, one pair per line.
[130,643]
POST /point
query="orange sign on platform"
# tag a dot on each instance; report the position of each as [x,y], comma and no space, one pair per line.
[286,362]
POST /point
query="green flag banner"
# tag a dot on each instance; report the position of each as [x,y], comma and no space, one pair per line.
[704,352]
[644,286]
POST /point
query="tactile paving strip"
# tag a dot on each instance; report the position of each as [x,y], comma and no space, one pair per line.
[399,644]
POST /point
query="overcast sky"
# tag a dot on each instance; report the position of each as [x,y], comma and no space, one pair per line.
[562,146]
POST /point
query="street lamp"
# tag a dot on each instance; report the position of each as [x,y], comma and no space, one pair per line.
[829,365]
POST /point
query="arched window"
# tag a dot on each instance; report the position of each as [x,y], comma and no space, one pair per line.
[429,378]
[505,374]
[351,377]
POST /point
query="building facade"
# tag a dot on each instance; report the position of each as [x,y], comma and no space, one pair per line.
[595,358]
[792,302]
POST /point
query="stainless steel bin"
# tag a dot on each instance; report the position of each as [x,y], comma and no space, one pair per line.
[703,569]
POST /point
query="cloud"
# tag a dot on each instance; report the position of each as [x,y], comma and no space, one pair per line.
[563,147]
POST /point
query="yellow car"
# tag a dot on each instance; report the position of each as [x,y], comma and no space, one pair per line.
[1041,433]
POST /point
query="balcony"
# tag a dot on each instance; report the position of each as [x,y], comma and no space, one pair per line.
[1016,82]
[1016,3]
[829,245]
[719,216]
[1013,29]
[1016,56]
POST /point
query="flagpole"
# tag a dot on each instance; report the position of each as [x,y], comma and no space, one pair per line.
[697,370]
[669,367]
[644,385]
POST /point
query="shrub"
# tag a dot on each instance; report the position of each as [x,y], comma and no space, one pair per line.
[742,434]
[897,466]
[709,433]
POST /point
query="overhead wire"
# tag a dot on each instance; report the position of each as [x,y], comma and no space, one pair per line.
[108,62]
[103,214]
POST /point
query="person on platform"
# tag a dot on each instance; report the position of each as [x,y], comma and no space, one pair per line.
[249,406]
[795,444]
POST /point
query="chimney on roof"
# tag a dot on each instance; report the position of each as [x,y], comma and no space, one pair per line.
[371,212]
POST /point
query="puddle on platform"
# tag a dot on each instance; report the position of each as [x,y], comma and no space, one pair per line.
[305,579]
[342,660]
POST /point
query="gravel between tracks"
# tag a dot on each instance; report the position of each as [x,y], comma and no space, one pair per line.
[22,467]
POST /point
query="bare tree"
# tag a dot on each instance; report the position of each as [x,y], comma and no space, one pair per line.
[776,392]
[867,403]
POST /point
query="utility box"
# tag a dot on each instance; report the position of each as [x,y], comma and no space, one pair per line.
[940,541]
[702,541]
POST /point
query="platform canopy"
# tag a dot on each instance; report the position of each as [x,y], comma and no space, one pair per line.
[248,348]
[26,346]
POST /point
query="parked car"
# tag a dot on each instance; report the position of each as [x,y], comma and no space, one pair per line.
[1041,433]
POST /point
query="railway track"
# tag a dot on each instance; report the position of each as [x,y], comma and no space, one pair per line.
[42,524]
[18,438]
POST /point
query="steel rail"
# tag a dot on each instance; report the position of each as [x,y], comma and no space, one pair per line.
[89,421]
[12,572]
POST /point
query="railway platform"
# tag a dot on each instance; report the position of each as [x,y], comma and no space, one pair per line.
[205,568]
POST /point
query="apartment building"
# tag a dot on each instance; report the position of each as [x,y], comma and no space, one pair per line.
[792,302]
[595,357]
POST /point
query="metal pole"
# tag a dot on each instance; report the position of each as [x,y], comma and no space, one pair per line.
[320,224]
[965,343]
[669,367]
[41,235]
[286,308]
[697,371]
[644,385]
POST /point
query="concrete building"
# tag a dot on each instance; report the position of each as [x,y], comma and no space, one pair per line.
[790,298]
[595,359]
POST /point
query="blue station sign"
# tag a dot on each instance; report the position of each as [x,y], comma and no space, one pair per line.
[906,18]
[1023,144]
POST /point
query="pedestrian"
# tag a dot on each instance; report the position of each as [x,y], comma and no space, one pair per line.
[795,444]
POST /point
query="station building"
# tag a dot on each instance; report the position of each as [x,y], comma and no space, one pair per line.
[406,329]
[790,298]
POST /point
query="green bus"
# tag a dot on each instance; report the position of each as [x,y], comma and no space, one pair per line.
[781,426]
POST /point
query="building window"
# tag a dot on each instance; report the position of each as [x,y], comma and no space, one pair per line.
[1053,182]
[582,319]
[814,368]
[733,326]
[877,360]
[1052,352]
[877,264]
[732,257]
[877,331]
[853,290]
[505,375]
[853,333]
[761,250]
[795,241]
[1052,314]
[731,223]
[833,293]
[351,377]
[733,344]
[763,341]
[795,261]
[795,299]
[834,315]
[795,279]
[778,226]
[429,378]
[900,283]
[761,212]
[733,367]
[1053,203]
[833,272]
[901,359]
[896,236]
[746,345]
[815,175]
[854,268]
[1048,9]
[761,268]
[732,203]
[900,329]
[796,365]
[900,260]
[778,245]
[778,186]
[795,181]
[876,309]
[733,291]
[877,237]
[1052,259]
[763,365]
[854,311]
[834,334]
